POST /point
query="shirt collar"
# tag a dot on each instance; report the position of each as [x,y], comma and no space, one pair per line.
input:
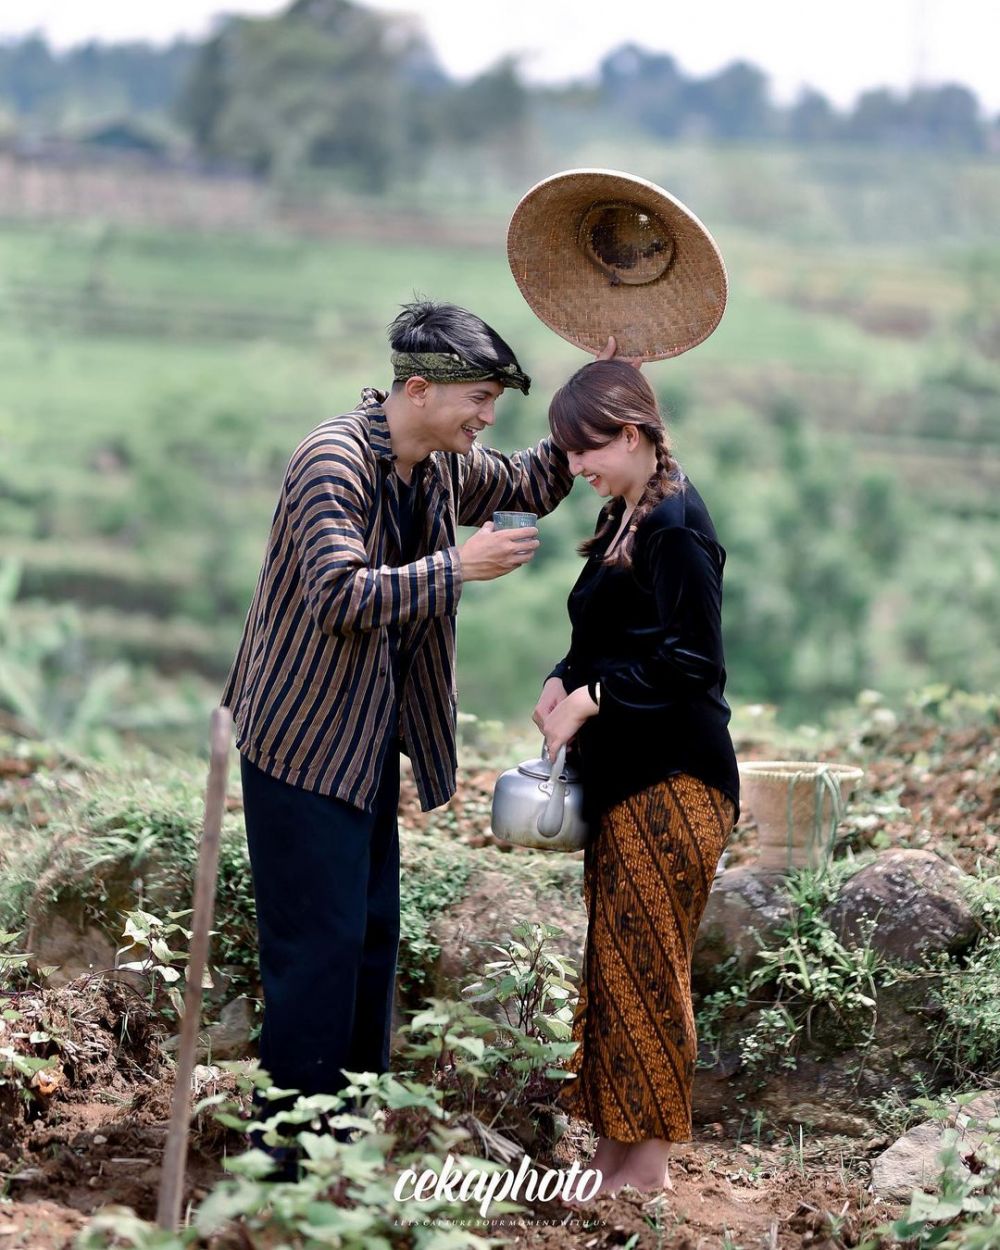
[378,427]
[371,405]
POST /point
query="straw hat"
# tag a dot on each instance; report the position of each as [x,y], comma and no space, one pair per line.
[597,252]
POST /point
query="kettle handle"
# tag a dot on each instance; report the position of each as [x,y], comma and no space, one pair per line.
[551,819]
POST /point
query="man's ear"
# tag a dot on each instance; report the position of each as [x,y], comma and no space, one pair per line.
[416,389]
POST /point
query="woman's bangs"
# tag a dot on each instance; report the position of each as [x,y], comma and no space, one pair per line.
[571,431]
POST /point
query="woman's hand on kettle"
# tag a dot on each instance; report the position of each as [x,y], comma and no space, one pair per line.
[553,693]
[563,723]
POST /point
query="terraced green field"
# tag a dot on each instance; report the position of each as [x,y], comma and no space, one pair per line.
[843,423]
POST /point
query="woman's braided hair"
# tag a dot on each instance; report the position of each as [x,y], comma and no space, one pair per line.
[589,412]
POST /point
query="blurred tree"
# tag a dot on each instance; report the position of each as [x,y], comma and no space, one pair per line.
[877,117]
[811,119]
[946,117]
[328,83]
[646,87]
[92,79]
[488,118]
[734,102]
[361,92]
[28,75]
[495,100]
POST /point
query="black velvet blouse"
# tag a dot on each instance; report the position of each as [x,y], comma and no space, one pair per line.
[651,634]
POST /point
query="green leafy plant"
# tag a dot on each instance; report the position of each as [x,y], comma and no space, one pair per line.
[20,1065]
[962,1210]
[435,878]
[771,1042]
[811,971]
[713,1014]
[148,940]
[809,977]
[503,1068]
[896,1114]
[530,982]
[13,964]
[473,1066]
[967,997]
[17,1069]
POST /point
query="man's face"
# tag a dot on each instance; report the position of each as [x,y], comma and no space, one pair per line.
[455,413]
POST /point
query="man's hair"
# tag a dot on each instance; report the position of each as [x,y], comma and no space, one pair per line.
[425,326]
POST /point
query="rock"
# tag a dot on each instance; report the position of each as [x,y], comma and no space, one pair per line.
[228,1039]
[745,904]
[912,1161]
[818,1117]
[917,904]
[493,904]
[830,1093]
[70,949]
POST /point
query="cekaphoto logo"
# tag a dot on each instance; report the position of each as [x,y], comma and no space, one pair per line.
[456,1184]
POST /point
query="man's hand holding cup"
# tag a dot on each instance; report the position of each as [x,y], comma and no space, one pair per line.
[501,546]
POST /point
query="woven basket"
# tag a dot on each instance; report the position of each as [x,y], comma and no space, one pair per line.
[797,805]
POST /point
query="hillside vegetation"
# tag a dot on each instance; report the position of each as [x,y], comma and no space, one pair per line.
[843,424]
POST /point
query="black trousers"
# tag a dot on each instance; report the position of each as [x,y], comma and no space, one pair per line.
[326,884]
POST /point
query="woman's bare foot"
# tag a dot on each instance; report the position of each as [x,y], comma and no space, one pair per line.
[606,1159]
[645,1167]
[608,1187]
[608,1155]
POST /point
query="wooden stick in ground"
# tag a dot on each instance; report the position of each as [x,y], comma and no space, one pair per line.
[168,1211]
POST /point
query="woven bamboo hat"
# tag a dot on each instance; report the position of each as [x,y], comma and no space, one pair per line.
[597,252]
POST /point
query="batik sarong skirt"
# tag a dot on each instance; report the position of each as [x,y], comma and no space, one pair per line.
[647,875]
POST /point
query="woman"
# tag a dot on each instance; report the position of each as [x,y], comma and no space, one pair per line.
[640,693]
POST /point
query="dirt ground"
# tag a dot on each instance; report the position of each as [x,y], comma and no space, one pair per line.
[99,1142]
[94,1129]
[749,1195]
[94,1132]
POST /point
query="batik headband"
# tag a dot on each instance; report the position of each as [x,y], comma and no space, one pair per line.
[451,367]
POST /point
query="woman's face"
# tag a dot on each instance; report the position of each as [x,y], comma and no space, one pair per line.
[611,469]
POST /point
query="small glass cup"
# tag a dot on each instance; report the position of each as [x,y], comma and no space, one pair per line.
[514,520]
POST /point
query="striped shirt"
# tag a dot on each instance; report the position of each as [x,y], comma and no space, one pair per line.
[311,688]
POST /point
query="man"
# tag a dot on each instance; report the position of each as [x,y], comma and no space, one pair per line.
[348,656]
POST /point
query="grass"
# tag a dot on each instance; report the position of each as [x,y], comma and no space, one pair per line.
[159,456]
[118,836]
[353,289]
[88,390]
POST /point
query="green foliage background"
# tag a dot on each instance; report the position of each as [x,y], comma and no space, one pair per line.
[843,423]
[852,473]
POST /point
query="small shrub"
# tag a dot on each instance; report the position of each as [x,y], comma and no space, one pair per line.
[962,1209]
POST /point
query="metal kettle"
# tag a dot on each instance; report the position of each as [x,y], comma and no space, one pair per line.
[540,804]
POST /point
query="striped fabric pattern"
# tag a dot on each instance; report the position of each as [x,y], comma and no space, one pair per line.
[311,687]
